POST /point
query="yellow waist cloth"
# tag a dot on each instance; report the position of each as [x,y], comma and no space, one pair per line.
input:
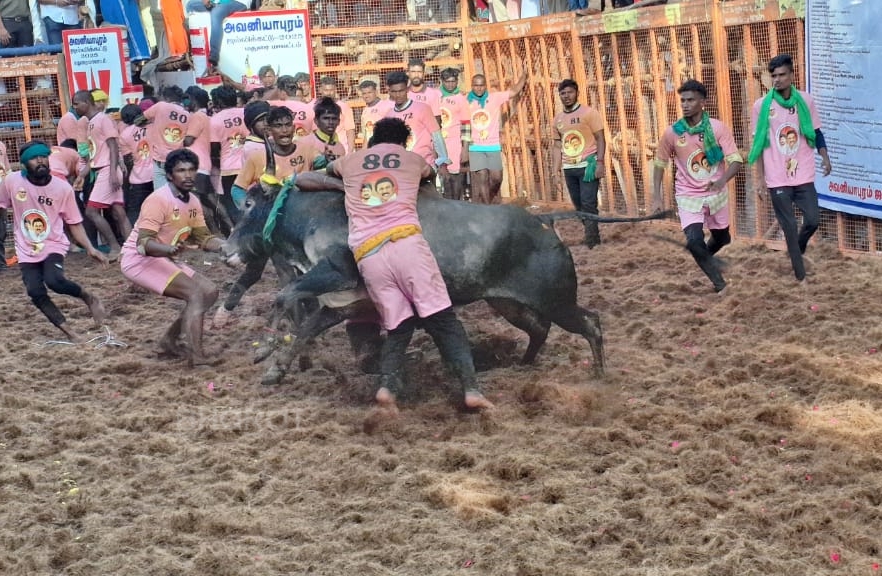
[390,235]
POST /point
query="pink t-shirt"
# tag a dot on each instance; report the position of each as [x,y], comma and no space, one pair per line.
[575,130]
[370,115]
[454,112]
[64,162]
[330,150]
[67,127]
[429,96]
[486,122]
[167,128]
[133,140]
[228,128]
[101,129]
[304,116]
[381,187]
[687,150]
[788,160]
[199,127]
[422,123]
[39,214]
[347,122]
[171,218]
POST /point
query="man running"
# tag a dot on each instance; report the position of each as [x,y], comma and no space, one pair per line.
[41,207]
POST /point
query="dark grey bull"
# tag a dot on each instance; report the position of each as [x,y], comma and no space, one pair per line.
[501,254]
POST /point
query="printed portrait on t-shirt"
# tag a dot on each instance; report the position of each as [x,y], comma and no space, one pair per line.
[699,167]
[445,117]
[173,134]
[573,145]
[143,151]
[379,189]
[787,140]
[35,226]
[410,142]
[92,148]
[300,131]
[237,140]
[480,123]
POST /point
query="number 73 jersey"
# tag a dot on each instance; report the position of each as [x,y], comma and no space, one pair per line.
[381,186]
[39,214]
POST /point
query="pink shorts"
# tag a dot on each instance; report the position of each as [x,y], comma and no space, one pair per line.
[716,221]
[102,195]
[151,272]
[401,276]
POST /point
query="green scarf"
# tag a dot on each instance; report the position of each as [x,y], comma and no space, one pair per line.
[445,93]
[481,100]
[590,168]
[712,150]
[276,210]
[761,138]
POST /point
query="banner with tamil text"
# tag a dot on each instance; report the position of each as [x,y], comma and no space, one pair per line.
[842,44]
[280,39]
[94,60]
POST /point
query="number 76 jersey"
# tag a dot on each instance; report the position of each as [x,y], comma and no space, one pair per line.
[381,186]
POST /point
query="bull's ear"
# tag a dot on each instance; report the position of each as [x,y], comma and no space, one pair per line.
[270,185]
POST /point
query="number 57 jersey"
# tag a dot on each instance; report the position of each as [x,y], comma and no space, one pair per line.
[381,185]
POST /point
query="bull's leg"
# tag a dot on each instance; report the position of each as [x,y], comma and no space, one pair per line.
[314,325]
[525,318]
[578,320]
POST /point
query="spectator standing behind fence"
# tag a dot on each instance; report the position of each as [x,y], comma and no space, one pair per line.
[420,91]
[219,9]
[58,16]
[579,149]
[16,28]
[789,166]
[455,129]
[374,109]
[485,150]
[700,146]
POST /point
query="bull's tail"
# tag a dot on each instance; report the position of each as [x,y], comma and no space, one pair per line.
[552,217]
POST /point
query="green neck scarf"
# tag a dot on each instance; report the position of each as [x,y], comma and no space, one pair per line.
[712,150]
[445,93]
[806,127]
[481,100]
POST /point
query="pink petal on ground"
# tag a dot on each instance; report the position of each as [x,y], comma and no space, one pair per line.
[814,307]
[835,557]
[210,386]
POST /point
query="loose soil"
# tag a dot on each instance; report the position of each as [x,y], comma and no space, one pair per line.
[731,435]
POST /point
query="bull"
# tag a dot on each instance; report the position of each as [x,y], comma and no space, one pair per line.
[501,254]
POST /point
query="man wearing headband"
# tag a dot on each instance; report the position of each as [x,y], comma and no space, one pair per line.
[170,222]
[41,207]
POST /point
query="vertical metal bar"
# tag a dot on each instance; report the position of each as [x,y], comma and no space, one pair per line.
[522,133]
[697,71]
[25,113]
[661,105]
[643,116]
[628,186]
[609,193]
[723,94]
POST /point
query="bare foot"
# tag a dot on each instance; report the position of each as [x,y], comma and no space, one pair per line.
[113,256]
[221,317]
[199,360]
[71,335]
[386,400]
[169,349]
[476,401]
[96,308]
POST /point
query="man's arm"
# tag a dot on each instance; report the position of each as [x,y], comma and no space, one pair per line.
[318,182]
[658,173]
[115,184]
[215,154]
[600,138]
[78,233]
[519,85]
[821,144]
[734,166]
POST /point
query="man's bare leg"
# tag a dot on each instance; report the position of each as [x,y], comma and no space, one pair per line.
[103,227]
[70,334]
[494,186]
[122,221]
[96,308]
[194,318]
[480,187]
[477,401]
[168,345]
[386,400]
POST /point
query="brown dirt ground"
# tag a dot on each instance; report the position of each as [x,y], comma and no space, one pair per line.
[730,436]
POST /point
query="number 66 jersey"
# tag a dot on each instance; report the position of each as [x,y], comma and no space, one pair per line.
[39,214]
[381,186]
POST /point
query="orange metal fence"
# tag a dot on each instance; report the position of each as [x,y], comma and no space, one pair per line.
[628,65]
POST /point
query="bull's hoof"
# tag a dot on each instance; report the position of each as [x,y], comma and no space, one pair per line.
[272,376]
[264,351]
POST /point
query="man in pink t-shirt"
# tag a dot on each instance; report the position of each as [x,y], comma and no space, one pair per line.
[303,113]
[425,134]
[325,137]
[374,109]
[41,206]
[171,222]
[135,150]
[455,128]
[198,140]
[228,135]
[107,193]
[787,130]
[167,129]
[701,147]
[420,91]
[399,270]
[67,126]
[485,150]
[346,128]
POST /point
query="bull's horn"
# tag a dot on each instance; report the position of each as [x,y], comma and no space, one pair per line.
[268,182]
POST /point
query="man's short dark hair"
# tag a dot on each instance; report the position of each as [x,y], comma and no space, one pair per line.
[327,81]
[198,95]
[72,142]
[396,77]
[390,131]
[325,105]
[416,62]
[172,93]
[367,84]
[279,114]
[302,77]
[449,73]
[224,96]
[567,83]
[83,96]
[693,85]
[781,60]
[180,156]
[129,113]
[264,70]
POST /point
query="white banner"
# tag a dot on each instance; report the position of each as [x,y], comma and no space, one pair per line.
[276,38]
[94,59]
[842,43]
